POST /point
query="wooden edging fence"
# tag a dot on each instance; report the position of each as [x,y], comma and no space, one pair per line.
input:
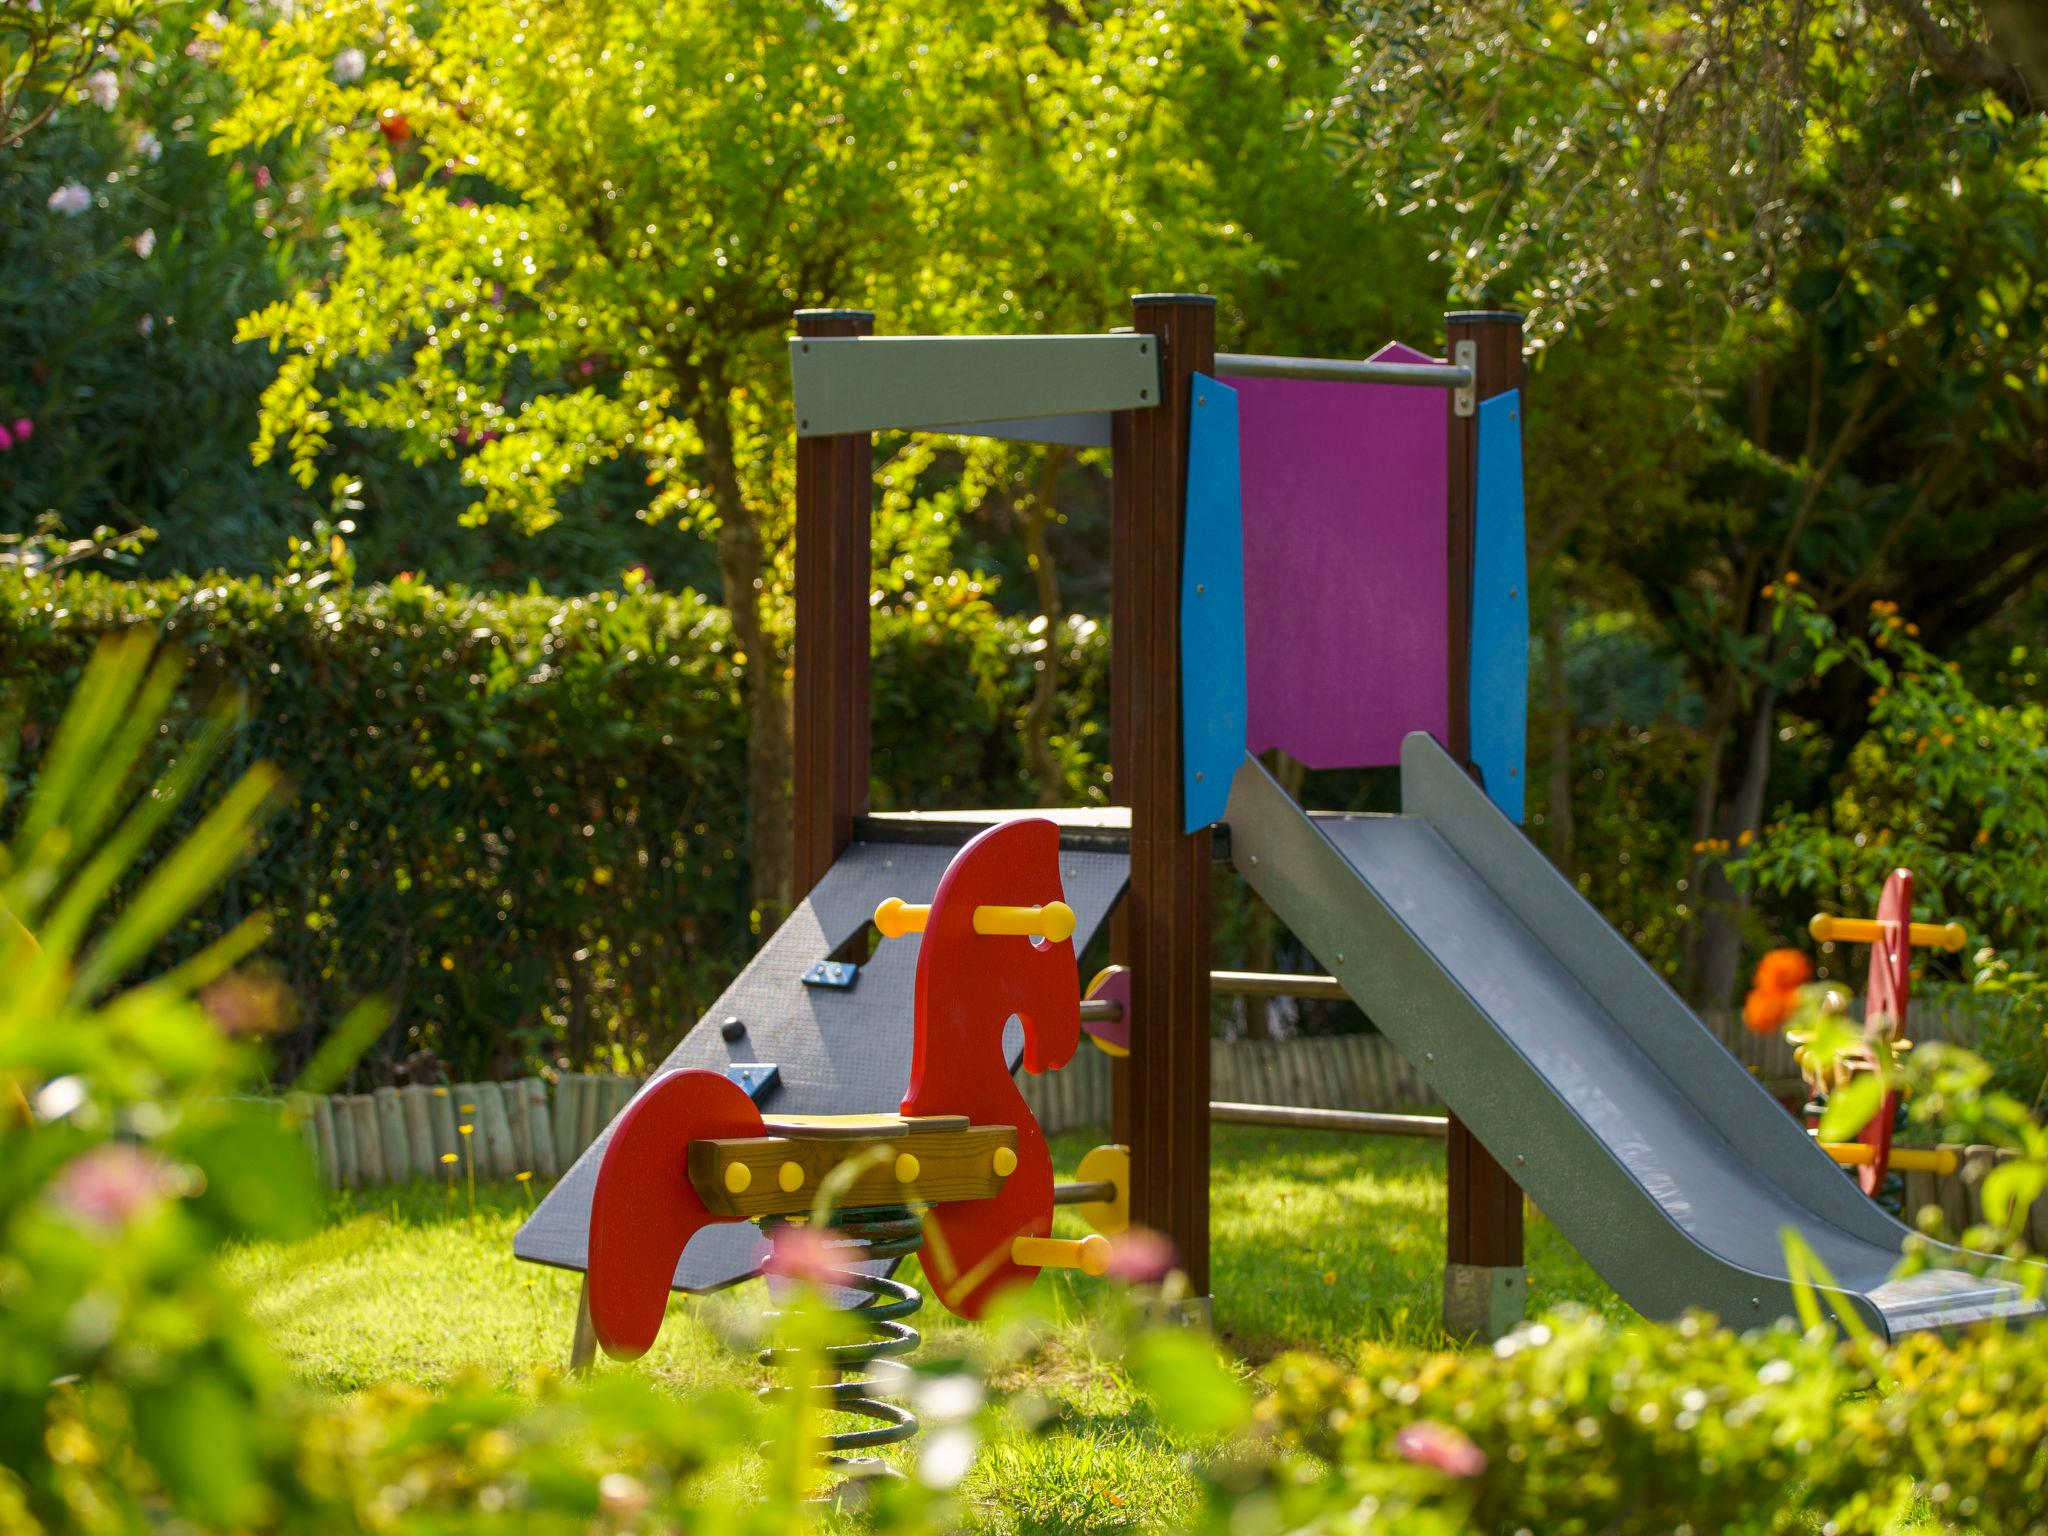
[534,1127]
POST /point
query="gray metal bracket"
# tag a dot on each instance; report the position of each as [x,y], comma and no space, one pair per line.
[1465,355]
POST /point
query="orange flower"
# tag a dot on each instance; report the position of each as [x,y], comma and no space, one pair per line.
[1763,1013]
[1783,970]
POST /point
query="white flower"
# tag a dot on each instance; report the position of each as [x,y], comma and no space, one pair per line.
[150,147]
[145,325]
[103,86]
[70,198]
[144,243]
[349,65]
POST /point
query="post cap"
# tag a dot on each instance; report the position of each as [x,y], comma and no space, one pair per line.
[1483,317]
[835,314]
[1147,300]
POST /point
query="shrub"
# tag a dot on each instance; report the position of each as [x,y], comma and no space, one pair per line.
[520,818]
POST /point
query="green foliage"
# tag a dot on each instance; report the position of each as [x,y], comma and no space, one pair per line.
[1949,785]
[521,819]
[1577,1426]
[127,252]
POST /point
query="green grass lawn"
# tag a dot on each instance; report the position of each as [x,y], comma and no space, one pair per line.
[1321,1242]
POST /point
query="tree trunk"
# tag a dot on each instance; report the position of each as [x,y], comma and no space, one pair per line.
[1722,902]
[1562,825]
[1720,720]
[744,575]
[1035,519]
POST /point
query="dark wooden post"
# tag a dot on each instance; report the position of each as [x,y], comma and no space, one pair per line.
[835,479]
[1163,1095]
[1485,1282]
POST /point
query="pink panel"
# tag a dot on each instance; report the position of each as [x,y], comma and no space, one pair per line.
[1346,570]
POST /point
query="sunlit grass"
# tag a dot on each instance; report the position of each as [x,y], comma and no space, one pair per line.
[1320,1242]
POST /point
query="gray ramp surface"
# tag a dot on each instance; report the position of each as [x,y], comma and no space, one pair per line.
[836,1052]
[1663,1161]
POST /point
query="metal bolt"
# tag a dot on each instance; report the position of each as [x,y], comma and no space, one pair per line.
[806,347]
[1144,394]
[1754,1303]
[1429,1058]
[1201,399]
[1255,858]
[1198,775]
[804,424]
[1521,1161]
[733,1028]
[1514,592]
[1200,588]
[1340,957]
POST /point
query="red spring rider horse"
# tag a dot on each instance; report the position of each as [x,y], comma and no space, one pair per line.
[965,1152]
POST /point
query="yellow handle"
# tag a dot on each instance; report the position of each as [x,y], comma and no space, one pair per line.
[1868,930]
[1088,1254]
[1054,920]
[896,917]
[1854,1154]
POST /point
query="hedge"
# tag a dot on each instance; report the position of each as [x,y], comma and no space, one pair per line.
[521,819]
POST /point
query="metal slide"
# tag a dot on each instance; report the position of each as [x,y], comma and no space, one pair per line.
[1663,1161]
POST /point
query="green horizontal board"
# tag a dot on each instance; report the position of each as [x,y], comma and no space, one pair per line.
[927,383]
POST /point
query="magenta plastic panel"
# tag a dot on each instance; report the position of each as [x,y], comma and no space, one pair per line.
[1346,571]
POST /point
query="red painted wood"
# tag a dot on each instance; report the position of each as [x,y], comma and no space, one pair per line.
[644,1210]
[968,986]
[1884,1012]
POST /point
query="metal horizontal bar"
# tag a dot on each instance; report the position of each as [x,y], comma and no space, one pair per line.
[1244,365]
[1324,989]
[1357,1122]
[949,383]
[1097,1192]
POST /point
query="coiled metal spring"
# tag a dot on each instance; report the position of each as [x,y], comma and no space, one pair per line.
[859,1237]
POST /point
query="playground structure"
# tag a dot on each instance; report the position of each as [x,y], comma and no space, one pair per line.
[1324,557]
[1892,936]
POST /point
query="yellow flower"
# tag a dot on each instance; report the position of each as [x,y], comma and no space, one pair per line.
[450,1157]
[465,1129]
[523,1177]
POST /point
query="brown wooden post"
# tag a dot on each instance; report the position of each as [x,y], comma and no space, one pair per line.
[835,479]
[1162,1098]
[1485,1282]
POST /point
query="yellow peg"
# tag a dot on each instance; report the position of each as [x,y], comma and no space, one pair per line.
[1004,1162]
[791,1177]
[1089,1254]
[896,917]
[1868,930]
[1054,921]
[907,1168]
[738,1178]
[1856,1154]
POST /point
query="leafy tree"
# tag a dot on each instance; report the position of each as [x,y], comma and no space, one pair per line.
[1788,257]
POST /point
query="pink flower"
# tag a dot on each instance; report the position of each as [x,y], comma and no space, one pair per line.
[1140,1256]
[108,1186]
[6,440]
[24,429]
[103,89]
[71,198]
[804,1253]
[1430,1444]
[263,176]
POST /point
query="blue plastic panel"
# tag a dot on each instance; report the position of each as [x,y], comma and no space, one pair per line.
[1212,664]
[1500,607]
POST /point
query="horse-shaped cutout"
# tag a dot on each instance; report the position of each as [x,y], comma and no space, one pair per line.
[997,944]
[970,982]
